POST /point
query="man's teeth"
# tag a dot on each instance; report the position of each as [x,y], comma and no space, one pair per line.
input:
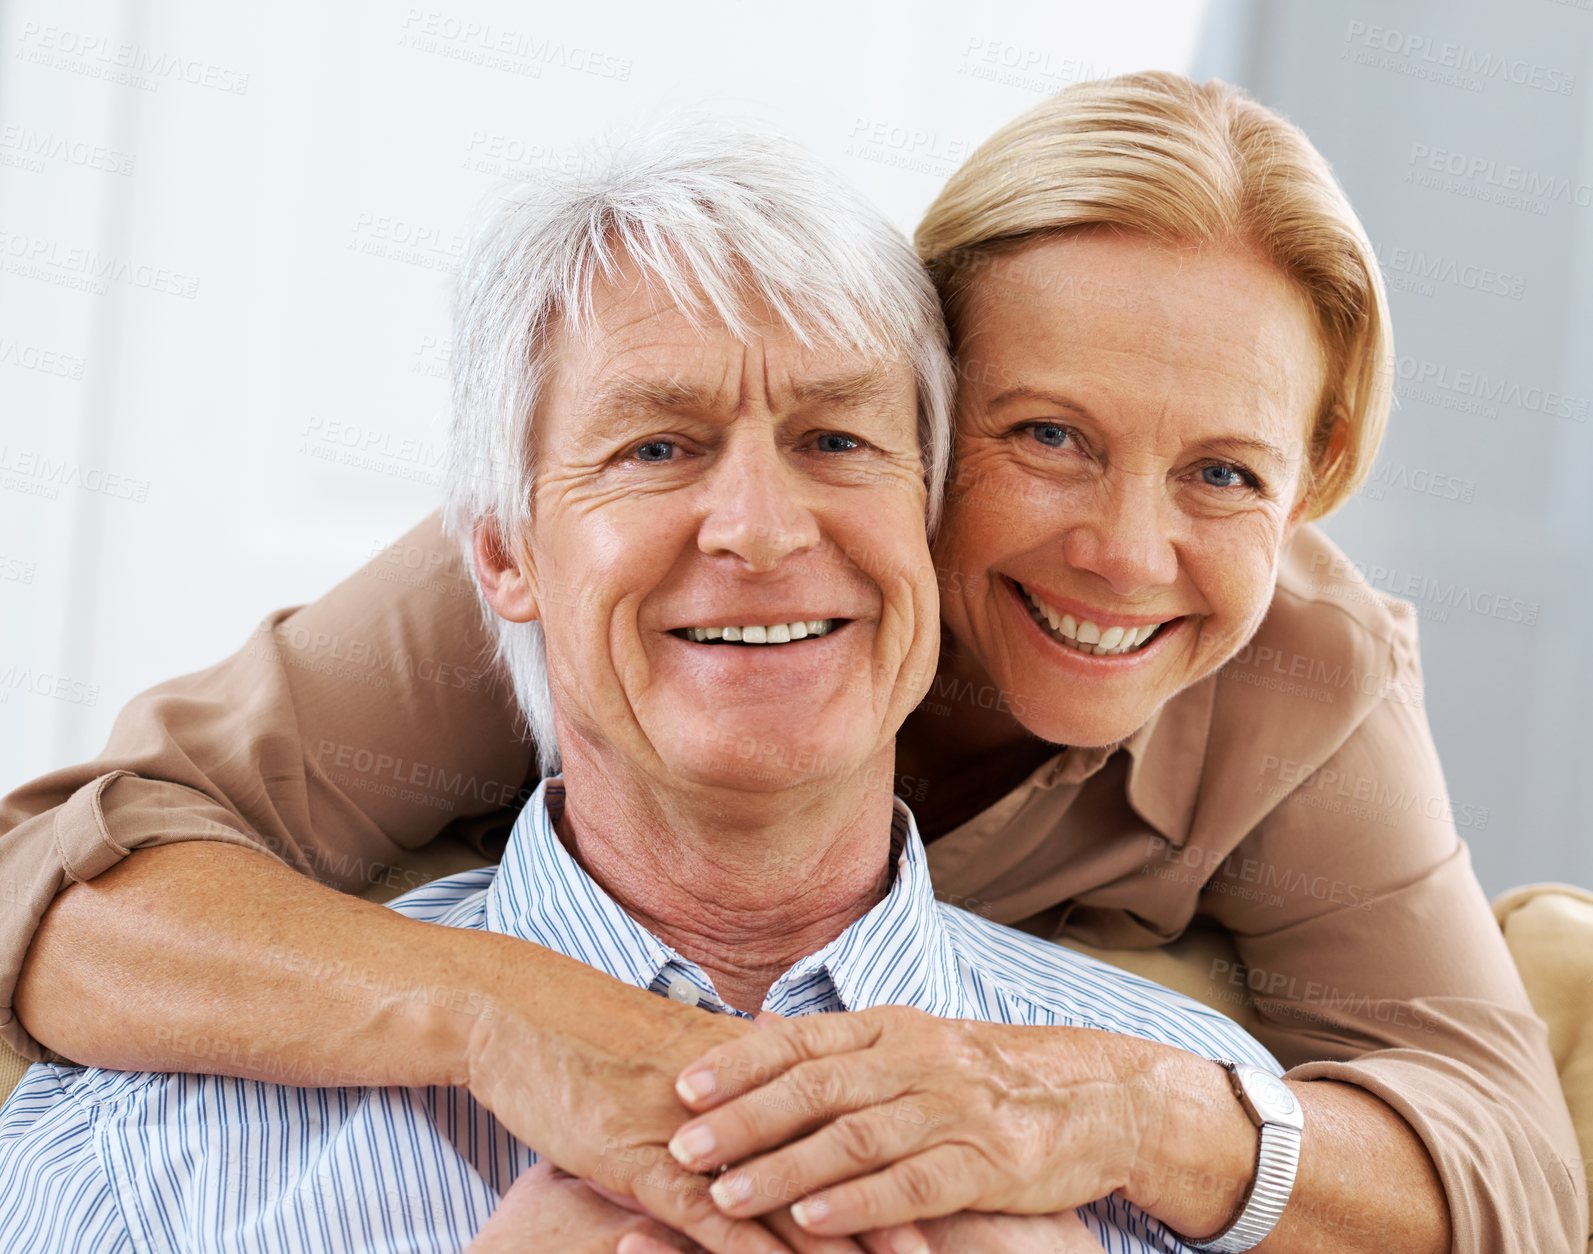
[1085,636]
[771,633]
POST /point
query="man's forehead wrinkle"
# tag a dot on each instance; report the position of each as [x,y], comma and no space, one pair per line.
[670,393]
[868,386]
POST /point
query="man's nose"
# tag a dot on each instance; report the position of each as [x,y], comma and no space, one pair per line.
[756,508]
[1128,537]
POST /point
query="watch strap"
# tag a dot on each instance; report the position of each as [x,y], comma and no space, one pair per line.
[1276,1164]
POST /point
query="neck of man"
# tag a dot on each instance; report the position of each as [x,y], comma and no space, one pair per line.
[745,884]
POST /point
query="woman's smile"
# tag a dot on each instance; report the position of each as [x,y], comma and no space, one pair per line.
[1093,633]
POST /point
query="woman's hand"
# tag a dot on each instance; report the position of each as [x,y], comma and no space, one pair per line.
[590,1087]
[887,1115]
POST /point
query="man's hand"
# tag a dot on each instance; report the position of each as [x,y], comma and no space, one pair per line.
[968,1233]
[973,1233]
[546,1211]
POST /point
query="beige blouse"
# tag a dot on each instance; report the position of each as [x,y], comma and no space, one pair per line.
[1294,799]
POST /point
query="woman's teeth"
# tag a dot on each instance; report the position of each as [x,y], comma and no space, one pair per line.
[1086,636]
[771,633]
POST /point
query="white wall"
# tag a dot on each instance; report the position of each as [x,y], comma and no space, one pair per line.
[276,195]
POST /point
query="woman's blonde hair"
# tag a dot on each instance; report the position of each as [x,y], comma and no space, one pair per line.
[1186,163]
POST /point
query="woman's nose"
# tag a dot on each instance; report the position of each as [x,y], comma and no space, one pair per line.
[1127,536]
[756,507]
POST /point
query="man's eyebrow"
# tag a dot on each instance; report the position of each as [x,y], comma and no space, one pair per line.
[632,393]
[636,394]
[867,387]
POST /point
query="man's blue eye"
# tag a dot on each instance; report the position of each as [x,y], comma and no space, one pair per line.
[655,451]
[1050,434]
[1223,476]
[834,442]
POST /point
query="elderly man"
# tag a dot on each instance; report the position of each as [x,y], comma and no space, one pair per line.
[711,389]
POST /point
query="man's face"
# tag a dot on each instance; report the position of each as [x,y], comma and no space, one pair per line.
[691,488]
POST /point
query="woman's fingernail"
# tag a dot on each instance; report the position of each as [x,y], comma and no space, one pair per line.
[909,1243]
[730,1190]
[691,1144]
[695,1085]
[810,1211]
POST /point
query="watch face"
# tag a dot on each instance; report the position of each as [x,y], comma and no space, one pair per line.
[1270,1096]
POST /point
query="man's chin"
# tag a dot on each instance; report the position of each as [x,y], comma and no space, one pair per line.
[760,762]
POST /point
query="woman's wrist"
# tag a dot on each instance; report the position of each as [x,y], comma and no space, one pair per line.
[1197,1149]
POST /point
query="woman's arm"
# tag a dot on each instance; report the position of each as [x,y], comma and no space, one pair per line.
[341,736]
[209,958]
[1376,964]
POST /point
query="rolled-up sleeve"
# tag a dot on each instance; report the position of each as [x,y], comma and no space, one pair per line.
[1383,968]
[344,734]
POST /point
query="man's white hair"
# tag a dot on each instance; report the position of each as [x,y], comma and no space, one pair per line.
[719,217]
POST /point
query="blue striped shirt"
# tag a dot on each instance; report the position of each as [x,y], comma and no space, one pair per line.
[109,1162]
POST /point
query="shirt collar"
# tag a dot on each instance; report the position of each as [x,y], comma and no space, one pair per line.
[542,894]
[1167,757]
[899,953]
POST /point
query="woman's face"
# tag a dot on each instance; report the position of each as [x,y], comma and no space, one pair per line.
[1131,457]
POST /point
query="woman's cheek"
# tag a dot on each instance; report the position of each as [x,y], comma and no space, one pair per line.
[1236,573]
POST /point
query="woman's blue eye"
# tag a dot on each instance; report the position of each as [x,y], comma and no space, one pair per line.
[655,451]
[834,442]
[1050,434]
[1224,476]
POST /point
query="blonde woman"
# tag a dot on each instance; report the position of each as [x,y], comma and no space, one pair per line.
[1163,698]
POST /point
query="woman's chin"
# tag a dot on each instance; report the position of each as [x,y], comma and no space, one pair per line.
[1047,717]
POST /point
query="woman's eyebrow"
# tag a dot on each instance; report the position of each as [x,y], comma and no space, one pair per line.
[1026,393]
[1243,443]
[1212,444]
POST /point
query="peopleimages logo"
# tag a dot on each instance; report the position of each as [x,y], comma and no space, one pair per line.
[1446,61]
[37,147]
[1422,380]
[1411,269]
[34,257]
[1516,180]
[132,65]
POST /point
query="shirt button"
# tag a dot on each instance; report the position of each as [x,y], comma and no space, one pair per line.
[682,990]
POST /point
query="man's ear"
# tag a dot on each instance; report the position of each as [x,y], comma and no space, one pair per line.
[1338,443]
[508,585]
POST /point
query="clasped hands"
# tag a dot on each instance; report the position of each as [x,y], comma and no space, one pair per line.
[885,1130]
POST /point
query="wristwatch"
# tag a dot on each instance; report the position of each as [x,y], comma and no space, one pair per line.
[1277,1112]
